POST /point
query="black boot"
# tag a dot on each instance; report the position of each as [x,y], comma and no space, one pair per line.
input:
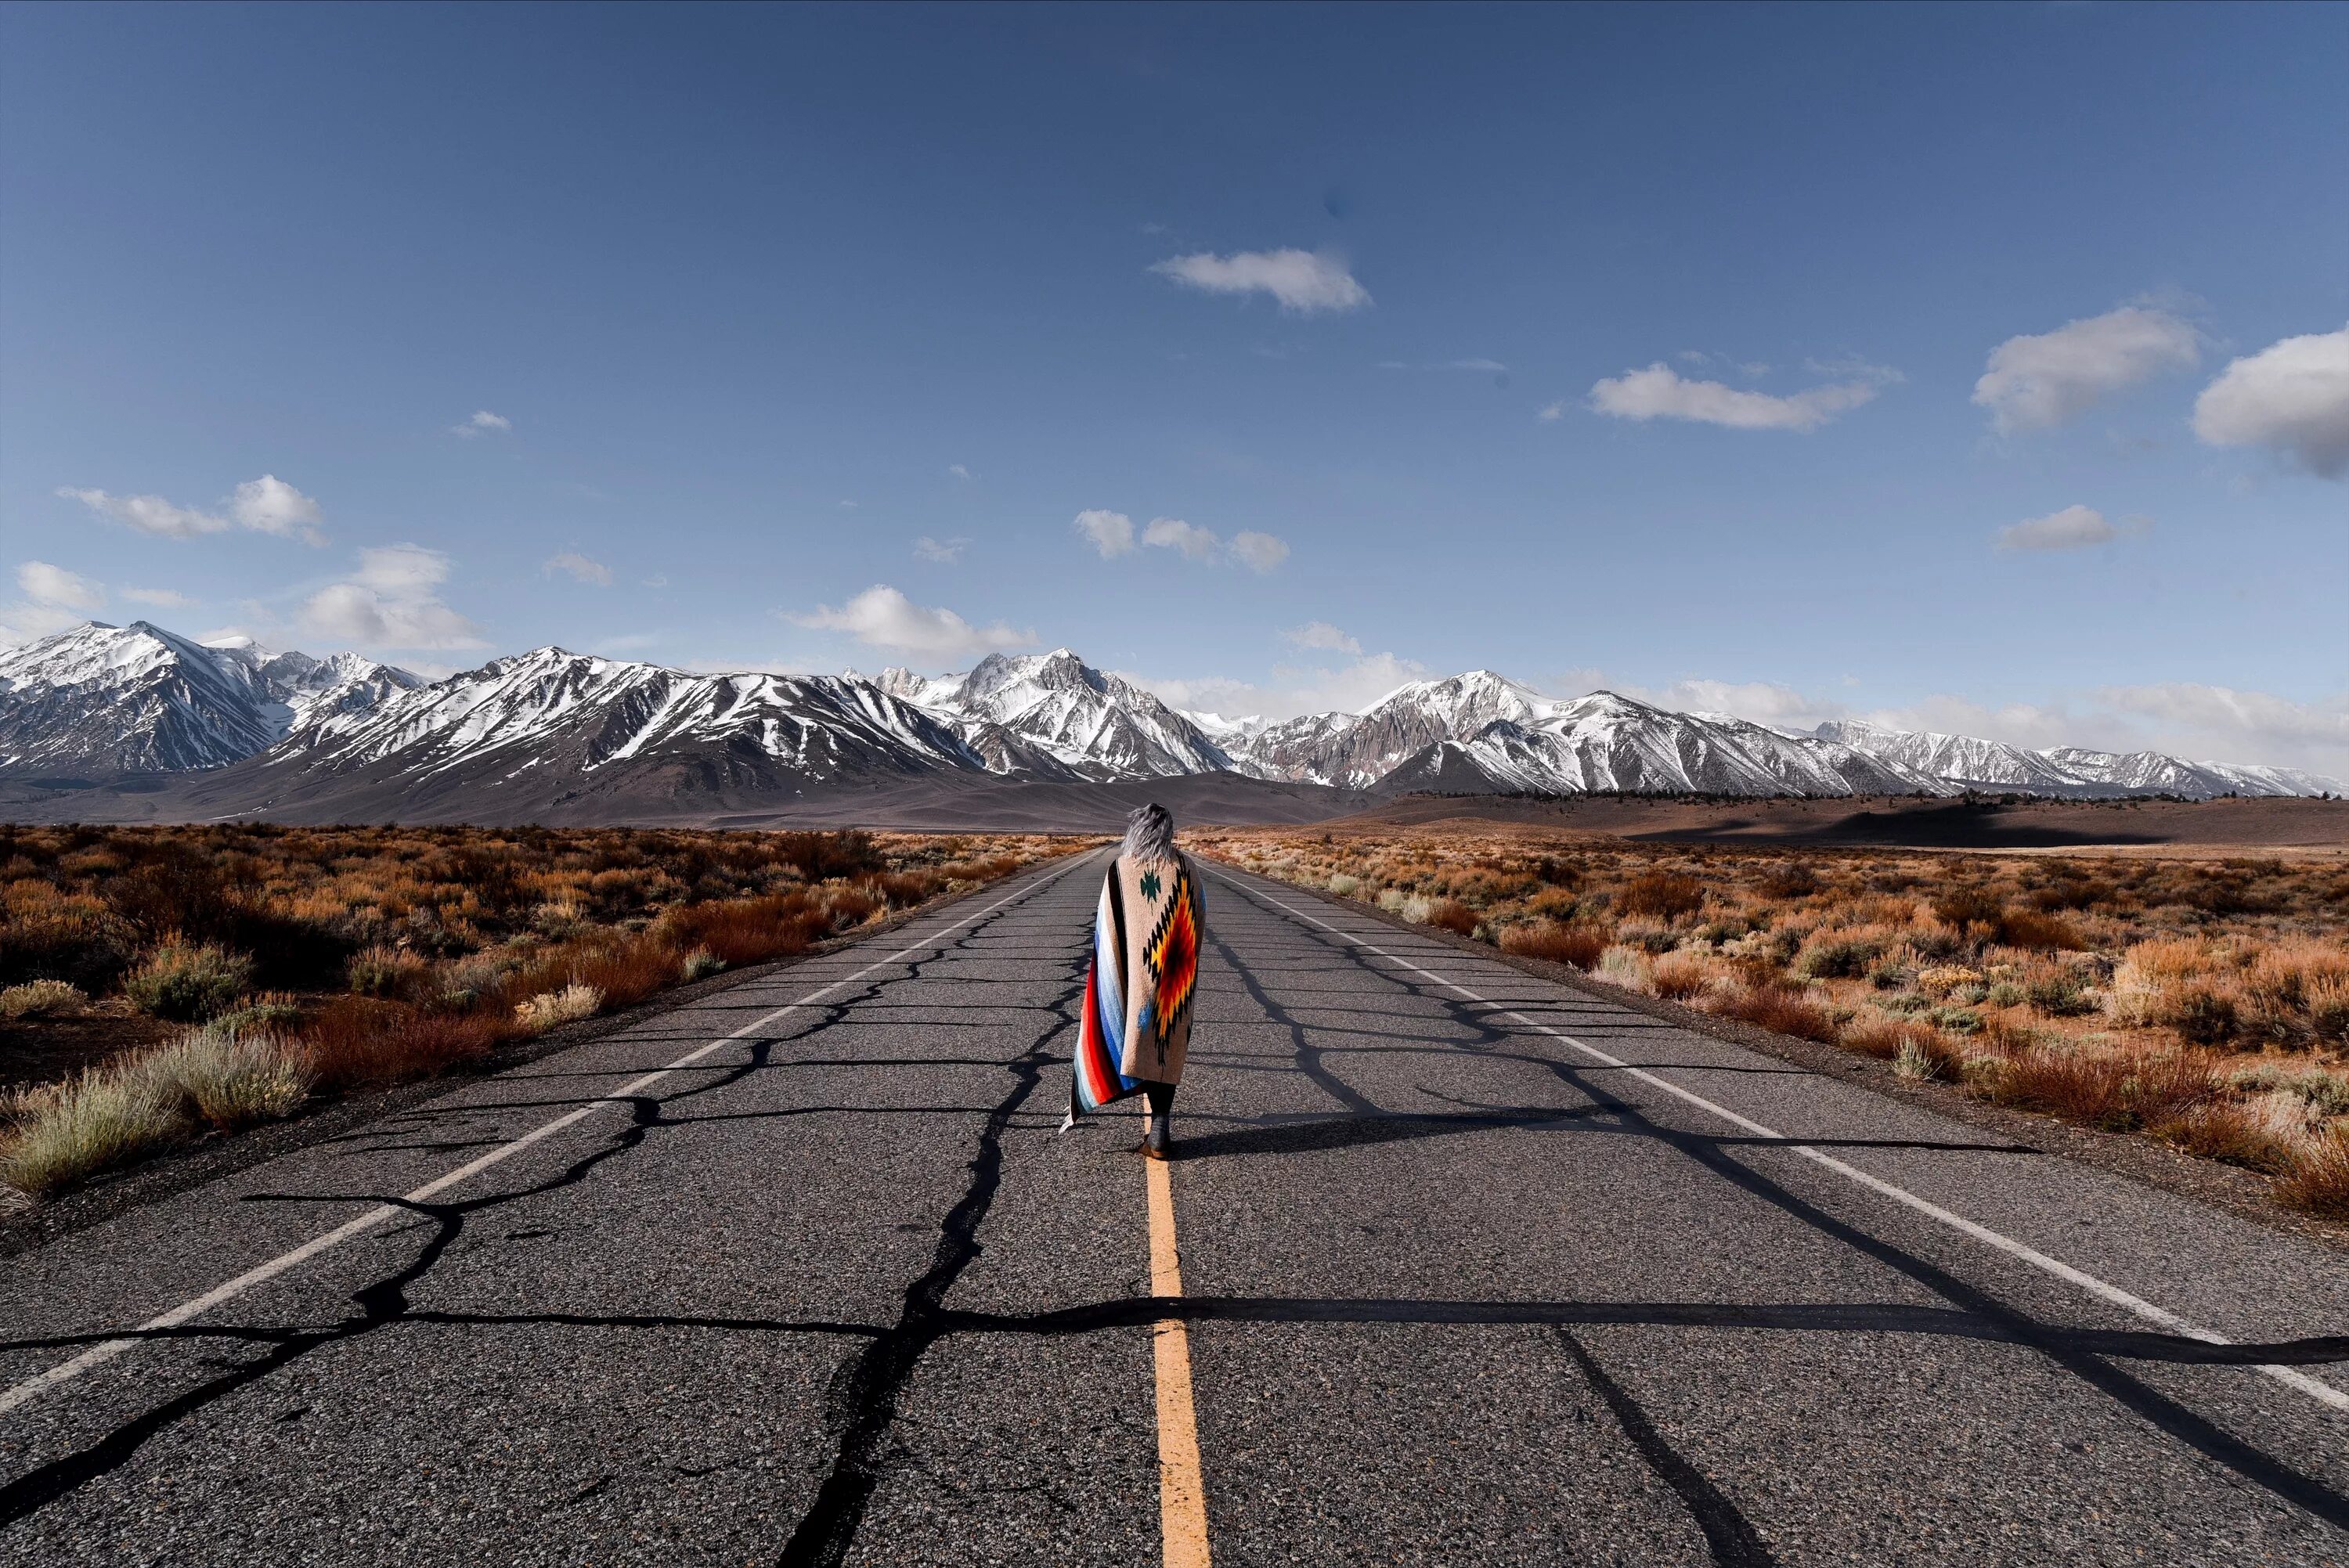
[1156,1138]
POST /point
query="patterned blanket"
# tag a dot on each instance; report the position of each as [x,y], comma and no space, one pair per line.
[1136,1027]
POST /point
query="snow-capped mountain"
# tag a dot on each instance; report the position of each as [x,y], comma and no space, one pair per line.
[1606,742]
[552,735]
[106,700]
[1356,750]
[575,713]
[1096,726]
[2067,770]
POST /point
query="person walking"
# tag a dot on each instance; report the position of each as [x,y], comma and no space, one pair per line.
[1136,1028]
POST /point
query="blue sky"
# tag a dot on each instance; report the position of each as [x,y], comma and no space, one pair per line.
[1981,366]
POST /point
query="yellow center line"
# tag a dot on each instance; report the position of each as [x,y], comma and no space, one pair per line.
[1181,1496]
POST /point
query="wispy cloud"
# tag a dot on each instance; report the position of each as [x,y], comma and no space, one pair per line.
[882,617]
[392,601]
[162,598]
[959,471]
[2292,396]
[2039,381]
[1660,392]
[1260,552]
[1321,635]
[1194,542]
[265,505]
[2074,528]
[943,551]
[578,568]
[1304,282]
[1110,532]
[482,422]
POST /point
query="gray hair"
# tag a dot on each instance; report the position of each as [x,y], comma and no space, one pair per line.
[1150,834]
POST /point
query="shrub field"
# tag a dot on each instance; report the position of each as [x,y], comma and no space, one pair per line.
[2203,1002]
[158,982]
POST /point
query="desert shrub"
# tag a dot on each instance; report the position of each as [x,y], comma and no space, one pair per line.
[1625,966]
[358,1040]
[188,984]
[230,1079]
[550,1008]
[2060,994]
[382,971]
[697,963]
[1877,1035]
[1663,895]
[2248,1135]
[1451,914]
[1578,946]
[1838,955]
[1344,886]
[40,999]
[1965,906]
[65,1132]
[1679,976]
[270,1013]
[1776,1008]
[2118,1093]
[2042,933]
[45,934]
[2319,1182]
[1946,979]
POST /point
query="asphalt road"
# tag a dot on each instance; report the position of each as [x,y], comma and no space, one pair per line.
[1476,1269]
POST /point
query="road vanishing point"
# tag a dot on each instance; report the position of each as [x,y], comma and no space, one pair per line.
[1457,1266]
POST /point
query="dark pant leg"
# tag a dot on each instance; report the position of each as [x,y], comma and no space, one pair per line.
[1161,1097]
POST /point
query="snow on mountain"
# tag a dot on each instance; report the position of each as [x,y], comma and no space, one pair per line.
[139,700]
[1093,724]
[529,732]
[1607,742]
[553,706]
[1356,750]
[2066,770]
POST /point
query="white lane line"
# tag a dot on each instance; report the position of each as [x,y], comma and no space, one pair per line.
[2290,1377]
[33,1388]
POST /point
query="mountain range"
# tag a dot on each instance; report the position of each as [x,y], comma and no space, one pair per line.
[100,713]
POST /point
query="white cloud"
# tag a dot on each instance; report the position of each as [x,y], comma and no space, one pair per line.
[2074,528]
[657,580]
[1173,533]
[46,585]
[944,551]
[265,505]
[1111,532]
[270,505]
[882,617]
[2293,395]
[958,470]
[162,598]
[1321,635]
[54,600]
[1301,281]
[578,568]
[2036,381]
[1660,392]
[148,513]
[390,603]
[1552,410]
[482,423]
[1260,552]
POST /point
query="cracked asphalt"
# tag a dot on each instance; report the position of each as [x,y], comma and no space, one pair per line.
[1457,1293]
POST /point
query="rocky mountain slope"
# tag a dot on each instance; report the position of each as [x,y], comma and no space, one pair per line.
[552,735]
[105,700]
[1097,726]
